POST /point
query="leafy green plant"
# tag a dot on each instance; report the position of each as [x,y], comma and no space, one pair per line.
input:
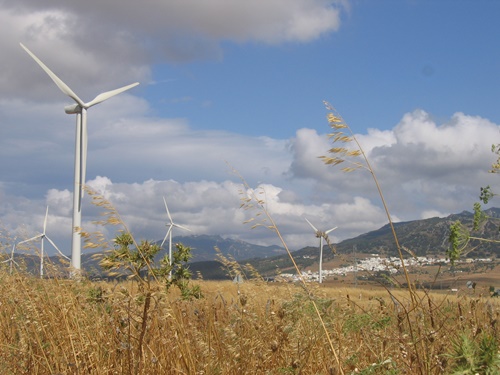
[460,236]
[475,356]
[178,273]
[136,262]
[139,264]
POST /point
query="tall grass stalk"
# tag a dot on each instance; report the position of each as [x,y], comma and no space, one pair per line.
[341,154]
[251,200]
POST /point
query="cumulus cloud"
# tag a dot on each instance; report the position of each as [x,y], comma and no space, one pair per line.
[425,169]
[268,21]
[419,163]
[108,47]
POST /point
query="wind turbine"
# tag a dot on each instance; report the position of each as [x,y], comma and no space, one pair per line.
[11,259]
[80,109]
[42,236]
[169,233]
[321,235]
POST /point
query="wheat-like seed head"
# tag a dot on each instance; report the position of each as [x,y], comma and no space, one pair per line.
[341,154]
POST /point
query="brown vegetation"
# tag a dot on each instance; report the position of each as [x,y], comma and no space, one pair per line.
[66,327]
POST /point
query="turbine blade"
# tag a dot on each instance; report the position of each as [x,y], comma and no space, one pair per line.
[329,230]
[45,221]
[108,94]
[55,247]
[166,236]
[31,239]
[180,226]
[62,86]
[312,226]
[9,260]
[168,212]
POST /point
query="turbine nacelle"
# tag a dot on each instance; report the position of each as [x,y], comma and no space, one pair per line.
[73,109]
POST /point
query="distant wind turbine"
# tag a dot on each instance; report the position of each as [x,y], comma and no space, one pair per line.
[11,259]
[321,235]
[80,109]
[169,233]
[41,236]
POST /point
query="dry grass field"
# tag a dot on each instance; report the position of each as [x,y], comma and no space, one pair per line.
[56,326]
[60,326]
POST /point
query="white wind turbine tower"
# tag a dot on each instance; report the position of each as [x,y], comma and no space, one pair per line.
[169,233]
[321,235]
[80,109]
[41,236]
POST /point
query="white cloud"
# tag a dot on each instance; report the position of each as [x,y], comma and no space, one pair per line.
[425,169]
[376,138]
[420,164]
[427,214]
[268,21]
[110,48]
[307,147]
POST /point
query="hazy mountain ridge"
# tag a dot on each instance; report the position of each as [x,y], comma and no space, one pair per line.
[421,237]
[203,248]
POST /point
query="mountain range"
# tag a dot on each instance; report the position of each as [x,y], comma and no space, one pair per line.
[418,237]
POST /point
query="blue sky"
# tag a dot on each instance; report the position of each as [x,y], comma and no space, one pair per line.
[387,58]
[244,83]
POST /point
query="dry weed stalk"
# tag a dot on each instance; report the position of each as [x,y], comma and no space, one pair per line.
[251,200]
[343,135]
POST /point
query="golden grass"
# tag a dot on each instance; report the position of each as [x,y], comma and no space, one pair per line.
[68,327]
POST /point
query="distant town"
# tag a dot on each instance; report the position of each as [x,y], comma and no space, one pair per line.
[375,264]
